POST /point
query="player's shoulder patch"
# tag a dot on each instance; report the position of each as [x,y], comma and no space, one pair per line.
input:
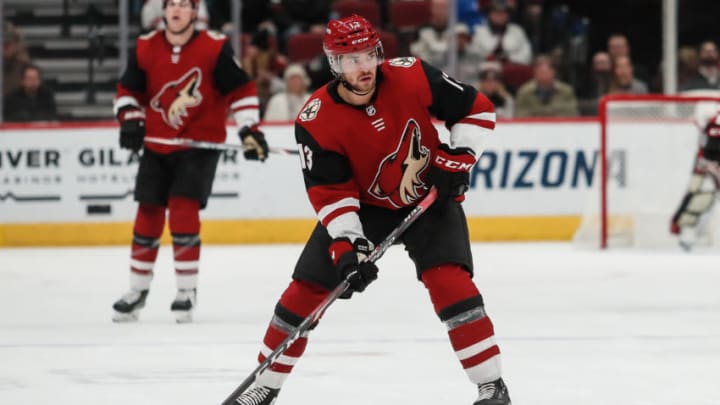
[405,61]
[218,36]
[310,111]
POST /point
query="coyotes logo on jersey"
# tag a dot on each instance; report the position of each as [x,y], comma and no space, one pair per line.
[175,97]
[405,61]
[398,176]
[311,111]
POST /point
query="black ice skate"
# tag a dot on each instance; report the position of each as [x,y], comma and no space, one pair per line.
[258,395]
[128,307]
[184,304]
[493,393]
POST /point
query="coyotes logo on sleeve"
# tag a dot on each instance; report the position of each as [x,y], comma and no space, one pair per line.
[175,97]
[310,111]
[405,61]
[398,176]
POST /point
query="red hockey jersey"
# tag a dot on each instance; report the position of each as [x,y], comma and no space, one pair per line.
[186,90]
[379,153]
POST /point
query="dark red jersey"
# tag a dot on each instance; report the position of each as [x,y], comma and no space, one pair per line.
[379,153]
[186,91]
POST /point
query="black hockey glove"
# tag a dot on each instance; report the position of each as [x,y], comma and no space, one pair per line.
[350,262]
[132,128]
[255,146]
[711,149]
[450,172]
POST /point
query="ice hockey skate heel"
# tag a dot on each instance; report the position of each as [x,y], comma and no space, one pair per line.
[493,393]
[128,307]
[184,304]
[258,395]
[686,238]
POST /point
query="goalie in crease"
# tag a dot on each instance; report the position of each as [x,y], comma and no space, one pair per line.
[692,216]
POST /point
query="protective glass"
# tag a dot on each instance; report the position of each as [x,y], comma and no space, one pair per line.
[356,61]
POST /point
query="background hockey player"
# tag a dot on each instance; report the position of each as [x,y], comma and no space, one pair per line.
[369,154]
[696,206]
[178,83]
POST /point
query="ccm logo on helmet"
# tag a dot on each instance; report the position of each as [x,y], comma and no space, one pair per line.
[361,40]
[451,164]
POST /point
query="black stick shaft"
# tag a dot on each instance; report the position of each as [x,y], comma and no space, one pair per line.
[211,145]
[317,313]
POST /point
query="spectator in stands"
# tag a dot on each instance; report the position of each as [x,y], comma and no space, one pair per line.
[707,75]
[618,45]
[319,70]
[468,63]
[285,105]
[511,6]
[432,42]
[624,81]
[553,29]
[15,57]
[534,25]
[544,95]
[500,39]
[153,14]
[492,87]
[31,101]
[597,83]
[470,14]
[688,63]
[252,14]
[295,16]
[263,62]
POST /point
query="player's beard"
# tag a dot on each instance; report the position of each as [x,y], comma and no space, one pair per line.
[362,88]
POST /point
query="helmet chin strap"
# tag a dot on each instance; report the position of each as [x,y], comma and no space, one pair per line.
[354,90]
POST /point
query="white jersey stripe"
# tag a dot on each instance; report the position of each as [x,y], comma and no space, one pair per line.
[283,359]
[186,264]
[469,136]
[245,101]
[487,116]
[246,118]
[488,370]
[141,265]
[330,208]
[124,101]
[347,225]
[477,348]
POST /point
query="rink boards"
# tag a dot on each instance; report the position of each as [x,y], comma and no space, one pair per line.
[72,185]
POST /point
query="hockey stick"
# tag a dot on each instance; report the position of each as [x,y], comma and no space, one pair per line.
[334,295]
[212,145]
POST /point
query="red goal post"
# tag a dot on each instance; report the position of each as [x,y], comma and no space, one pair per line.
[647,148]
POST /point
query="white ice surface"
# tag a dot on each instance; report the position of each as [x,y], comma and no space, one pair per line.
[575,328]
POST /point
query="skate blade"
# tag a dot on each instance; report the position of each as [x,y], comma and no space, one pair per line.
[121,317]
[686,246]
[183,316]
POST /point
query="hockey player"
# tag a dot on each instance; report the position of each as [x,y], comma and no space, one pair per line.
[179,83]
[369,154]
[695,208]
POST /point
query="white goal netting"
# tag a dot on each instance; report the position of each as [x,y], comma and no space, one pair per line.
[649,148]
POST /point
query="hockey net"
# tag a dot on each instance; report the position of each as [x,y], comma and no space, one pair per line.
[648,145]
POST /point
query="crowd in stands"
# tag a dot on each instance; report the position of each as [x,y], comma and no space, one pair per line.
[530,57]
[25,98]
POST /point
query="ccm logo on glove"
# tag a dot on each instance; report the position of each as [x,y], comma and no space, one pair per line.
[453,165]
